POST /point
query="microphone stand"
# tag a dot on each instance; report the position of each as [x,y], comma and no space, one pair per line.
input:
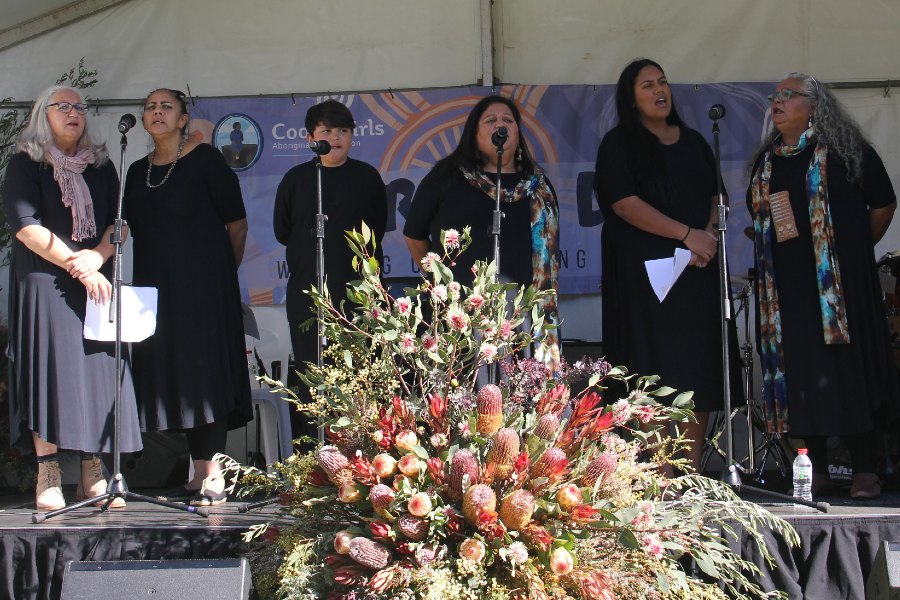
[730,475]
[495,233]
[117,487]
[321,217]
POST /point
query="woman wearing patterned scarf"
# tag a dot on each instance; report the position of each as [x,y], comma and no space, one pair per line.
[820,199]
[60,197]
[460,192]
[656,184]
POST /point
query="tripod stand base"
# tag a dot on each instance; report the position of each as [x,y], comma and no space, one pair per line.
[40,517]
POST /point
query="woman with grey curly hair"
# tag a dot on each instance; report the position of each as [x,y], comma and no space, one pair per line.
[821,198]
[60,196]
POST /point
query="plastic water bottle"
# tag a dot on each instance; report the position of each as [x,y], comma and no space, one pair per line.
[803,473]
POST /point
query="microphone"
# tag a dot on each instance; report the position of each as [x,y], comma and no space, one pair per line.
[126,122]
[498,138]
[716,112]
[320,147]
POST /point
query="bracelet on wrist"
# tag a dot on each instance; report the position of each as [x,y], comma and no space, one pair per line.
[686,235]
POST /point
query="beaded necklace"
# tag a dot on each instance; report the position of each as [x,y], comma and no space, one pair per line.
[171,167]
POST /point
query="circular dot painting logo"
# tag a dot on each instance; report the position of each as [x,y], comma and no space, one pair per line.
[239,139]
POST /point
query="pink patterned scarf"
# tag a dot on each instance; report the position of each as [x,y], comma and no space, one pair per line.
[67,171]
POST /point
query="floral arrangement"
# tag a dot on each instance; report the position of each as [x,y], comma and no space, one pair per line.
[430,485]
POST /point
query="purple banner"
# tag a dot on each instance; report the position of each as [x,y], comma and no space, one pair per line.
[405,133]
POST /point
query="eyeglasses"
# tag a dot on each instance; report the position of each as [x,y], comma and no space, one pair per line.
[784,95]
[66,107]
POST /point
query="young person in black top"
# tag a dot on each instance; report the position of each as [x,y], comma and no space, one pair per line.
[353,193]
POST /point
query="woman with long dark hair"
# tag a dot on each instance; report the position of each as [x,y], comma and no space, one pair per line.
[821,198]
[460,192]
[656,184]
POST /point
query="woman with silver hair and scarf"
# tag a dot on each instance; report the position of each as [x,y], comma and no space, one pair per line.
[821,198]
[60,198]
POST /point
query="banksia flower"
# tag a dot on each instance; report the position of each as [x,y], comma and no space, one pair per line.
[335,465]
[381,496]
[369,554]
[503,452]
[478,498]
[547,427]
[516,509]
[463,463]
[552,464]
[490,410]
[413,527]
[602,466]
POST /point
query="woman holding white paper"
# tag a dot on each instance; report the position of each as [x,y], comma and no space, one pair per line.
[656,184]
[60,197]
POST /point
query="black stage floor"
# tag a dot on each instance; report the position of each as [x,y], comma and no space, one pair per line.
[837,553]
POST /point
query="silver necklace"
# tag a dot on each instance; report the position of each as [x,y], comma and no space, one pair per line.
[169,172]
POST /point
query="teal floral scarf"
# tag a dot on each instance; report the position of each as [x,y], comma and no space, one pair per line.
[828,275]
[544,244]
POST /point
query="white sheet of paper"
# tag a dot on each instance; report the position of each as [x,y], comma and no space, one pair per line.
[664,272]
[138,316]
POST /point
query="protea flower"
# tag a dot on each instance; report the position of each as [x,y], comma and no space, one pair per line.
[473,550]
[478,498]
[463,463]
[369,554]
[516,509]
[490,410]
[561,561]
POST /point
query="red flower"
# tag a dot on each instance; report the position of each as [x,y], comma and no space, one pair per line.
[436,470]
[523,461]
[318,478]
[271,534]
[380,529]
[583,512]
[455,521]
[404,549]
[537,537]
[350,575]
[490,525]
[363,471]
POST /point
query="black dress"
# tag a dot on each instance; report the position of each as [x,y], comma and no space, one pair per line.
[454,203]
[352,193]
[193,370]
[61,385]
[833,389]
[679,339]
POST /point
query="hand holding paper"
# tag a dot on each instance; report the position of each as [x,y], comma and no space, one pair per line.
[138,316]
[664,272]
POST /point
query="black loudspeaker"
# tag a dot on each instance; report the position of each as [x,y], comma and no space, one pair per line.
[162,463]
[884,579]
[221,579]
